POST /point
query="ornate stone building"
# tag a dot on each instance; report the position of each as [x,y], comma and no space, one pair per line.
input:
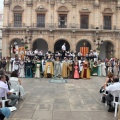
[47,24]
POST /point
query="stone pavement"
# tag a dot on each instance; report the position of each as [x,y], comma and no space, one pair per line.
[75,100]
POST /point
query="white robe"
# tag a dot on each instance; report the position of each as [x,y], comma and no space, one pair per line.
[103,67]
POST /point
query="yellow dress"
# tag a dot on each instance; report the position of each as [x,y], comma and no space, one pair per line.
[64,69]
[48,68]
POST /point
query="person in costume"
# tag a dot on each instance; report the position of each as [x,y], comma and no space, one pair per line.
[16,63]
[76,71]
[116,69]
[103,68]
[65,68]
[57,67]
[99,68]
[49,68]
[94,69]
[70,67]
[28,69]
[38,68]
[22,69]
[85,70]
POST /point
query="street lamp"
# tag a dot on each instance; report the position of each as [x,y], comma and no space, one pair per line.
[98,42]
[26,40]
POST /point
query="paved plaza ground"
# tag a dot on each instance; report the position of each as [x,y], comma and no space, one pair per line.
[74,100]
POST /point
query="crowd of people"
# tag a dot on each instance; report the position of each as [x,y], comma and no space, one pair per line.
[61,64]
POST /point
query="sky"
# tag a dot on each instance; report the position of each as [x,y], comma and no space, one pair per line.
[1,4]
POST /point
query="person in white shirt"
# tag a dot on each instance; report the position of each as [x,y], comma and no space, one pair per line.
[110,89]
[63,50]
[10,95]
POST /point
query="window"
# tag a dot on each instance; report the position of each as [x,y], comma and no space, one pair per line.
[107,22]
[17,19]
[62,21]
[40,20]
[84,21]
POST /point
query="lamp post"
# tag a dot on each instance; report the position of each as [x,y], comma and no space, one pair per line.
[26,40]
[98,42]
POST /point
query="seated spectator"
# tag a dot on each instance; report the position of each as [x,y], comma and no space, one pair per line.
[17,87]
[109,79]
[10,95]
[111,88]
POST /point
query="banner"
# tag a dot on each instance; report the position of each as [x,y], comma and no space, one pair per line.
[84,50]
[21,52]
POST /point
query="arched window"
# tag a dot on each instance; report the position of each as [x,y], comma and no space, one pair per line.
[62,20]
[17,11]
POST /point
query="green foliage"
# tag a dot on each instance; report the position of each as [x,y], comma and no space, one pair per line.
[26,47]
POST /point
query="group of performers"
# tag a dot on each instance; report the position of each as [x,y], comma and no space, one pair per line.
[67,68]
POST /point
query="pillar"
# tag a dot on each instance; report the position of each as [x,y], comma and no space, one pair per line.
[6,12]
[96,13]
[28,14]
[118,14]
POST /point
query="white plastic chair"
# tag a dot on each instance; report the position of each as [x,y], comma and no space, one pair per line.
[115,94]
[3,101]
[17,87]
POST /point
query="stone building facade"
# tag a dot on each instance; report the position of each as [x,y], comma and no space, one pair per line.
[47,24]
[1,26]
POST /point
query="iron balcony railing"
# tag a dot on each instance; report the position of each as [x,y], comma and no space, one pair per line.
[59,26]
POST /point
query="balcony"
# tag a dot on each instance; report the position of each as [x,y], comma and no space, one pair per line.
[53,26]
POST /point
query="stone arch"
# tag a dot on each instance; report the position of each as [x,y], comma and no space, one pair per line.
[12,43]
[107,50]
[62,9]
[18,8]
[58,44]
[82,43]
[41,8]
[40,44]
[107,11]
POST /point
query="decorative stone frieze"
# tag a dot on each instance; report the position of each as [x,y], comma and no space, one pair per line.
[7,3]
[29,3]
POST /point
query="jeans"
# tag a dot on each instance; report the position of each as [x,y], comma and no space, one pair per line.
[14,98]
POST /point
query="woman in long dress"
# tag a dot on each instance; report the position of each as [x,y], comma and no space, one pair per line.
[116,69]
[94,69]
[103,69]
[28,69]
[76,71]
[57,67]
[22,69]
[86,70]
[99,68]
[38,69]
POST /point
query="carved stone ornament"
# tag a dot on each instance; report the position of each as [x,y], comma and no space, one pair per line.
[41,9]
[84,10]
[6,3]
[18,9]
[52,2]
[107,11]
[62,9]
[29,3]
[74,3]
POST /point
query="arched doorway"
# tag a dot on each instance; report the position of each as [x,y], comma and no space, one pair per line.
[83,43]
[59,43]
[40,44]
[106,50]
[14,46]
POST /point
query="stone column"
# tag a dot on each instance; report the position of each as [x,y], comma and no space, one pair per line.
[6,12]
[5,44]
[96,13]
[51,42]
[28,14]
[118,14]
